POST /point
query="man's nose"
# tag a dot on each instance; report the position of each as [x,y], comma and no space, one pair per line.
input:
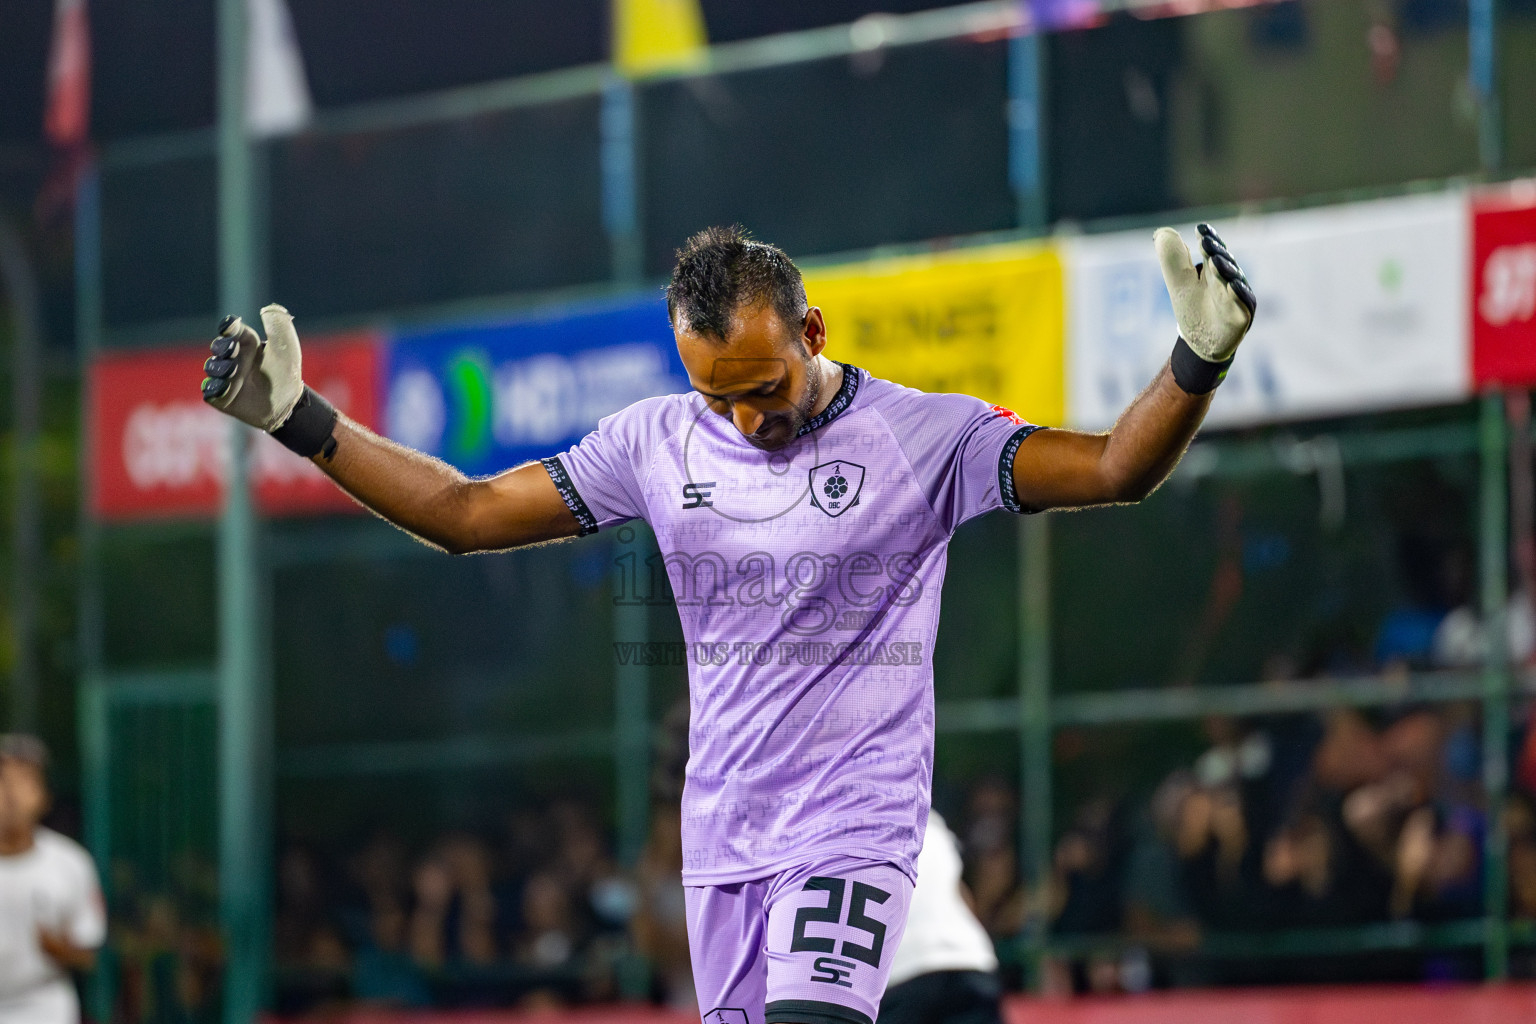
[747,419]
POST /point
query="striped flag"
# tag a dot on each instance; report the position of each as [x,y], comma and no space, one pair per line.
[67,119]
[277,100]
[655,35]
[67,113]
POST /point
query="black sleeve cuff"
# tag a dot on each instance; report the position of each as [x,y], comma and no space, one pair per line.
[584,517]
[1005,486]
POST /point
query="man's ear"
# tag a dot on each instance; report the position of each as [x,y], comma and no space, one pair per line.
[815,332]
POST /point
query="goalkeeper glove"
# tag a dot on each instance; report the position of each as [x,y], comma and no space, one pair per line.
[261,383]
[1214,310]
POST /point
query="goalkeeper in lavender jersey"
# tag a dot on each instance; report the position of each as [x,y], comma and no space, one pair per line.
[803,509]
[807,578]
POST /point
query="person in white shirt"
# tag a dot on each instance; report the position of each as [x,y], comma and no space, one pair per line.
[945,970]
[51,914]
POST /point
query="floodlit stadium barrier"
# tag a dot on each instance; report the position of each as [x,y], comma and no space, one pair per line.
[319,220]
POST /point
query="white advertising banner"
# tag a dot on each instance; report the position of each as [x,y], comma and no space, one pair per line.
[1361,306]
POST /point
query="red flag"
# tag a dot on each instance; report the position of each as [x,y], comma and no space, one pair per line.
[67,121]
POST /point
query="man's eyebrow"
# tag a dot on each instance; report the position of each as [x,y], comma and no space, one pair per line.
[766,386]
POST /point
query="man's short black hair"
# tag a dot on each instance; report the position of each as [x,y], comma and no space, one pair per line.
[720,269]
[18,746]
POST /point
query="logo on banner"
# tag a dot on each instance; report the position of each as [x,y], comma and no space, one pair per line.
[157,449]
[1502,288]
[835,486]
[487,396]
[1509,285]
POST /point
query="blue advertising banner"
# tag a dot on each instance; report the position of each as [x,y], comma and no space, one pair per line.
[488,396]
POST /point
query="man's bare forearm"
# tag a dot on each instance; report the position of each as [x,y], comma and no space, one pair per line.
[1151,437]
[1071,469]
[435,502]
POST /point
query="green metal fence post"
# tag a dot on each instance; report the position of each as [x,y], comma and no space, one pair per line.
[18,281]
[1494,574]
[244,763]
[1027,126]
[632,730]
[631,613]
[1483,59]
[1035,727]
[620,167]
[631,726]
[92,722]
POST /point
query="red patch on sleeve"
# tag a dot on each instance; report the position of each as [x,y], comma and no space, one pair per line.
[1008,414]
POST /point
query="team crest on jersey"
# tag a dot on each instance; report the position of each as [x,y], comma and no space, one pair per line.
[835,486]
[725,1015]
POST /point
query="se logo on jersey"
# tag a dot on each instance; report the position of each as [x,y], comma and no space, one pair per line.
[835,486]
[697,495]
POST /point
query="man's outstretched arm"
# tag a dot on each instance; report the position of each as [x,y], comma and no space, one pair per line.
[1069,469]
[432,500]
[261,383]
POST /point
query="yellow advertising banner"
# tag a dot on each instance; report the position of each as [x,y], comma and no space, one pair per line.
[987,322]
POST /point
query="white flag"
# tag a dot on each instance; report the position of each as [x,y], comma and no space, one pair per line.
[277,93]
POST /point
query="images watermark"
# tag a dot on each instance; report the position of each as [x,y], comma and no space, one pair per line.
[762,652]
[810,593]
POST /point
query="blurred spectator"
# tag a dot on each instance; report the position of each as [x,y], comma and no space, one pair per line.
[1460,640]
[1088,872]
[1212,841]
[603,896]
[1437,579]
[304,930]
[307,944]
[1157,909]
[432,887]
[991,863]
[1316,875]
[383,971]
[660,924]
[550,937]
[51,915]
[169,951]
[1520,819]
[473,919]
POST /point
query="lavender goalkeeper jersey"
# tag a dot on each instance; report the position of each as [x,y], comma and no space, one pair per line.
[808,583]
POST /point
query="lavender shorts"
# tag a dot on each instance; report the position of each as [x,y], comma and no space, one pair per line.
[810,945]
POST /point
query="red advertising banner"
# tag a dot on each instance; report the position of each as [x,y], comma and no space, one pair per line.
[157,451]
[1471,1004]
[1504,285]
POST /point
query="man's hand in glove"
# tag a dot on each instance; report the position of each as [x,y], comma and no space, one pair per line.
[1214,310]
[262,383]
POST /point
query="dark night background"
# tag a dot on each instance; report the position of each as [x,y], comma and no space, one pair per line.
[153,62]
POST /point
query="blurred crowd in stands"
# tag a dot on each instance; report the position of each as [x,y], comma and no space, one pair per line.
[1283,823]
[1291,822]
[538,915]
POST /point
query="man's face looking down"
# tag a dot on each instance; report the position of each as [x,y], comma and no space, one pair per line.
[23,798]
[764,375]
